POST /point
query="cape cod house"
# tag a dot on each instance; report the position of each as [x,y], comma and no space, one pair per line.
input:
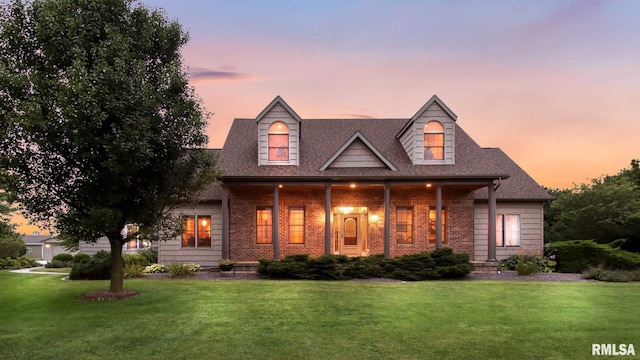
[359,187]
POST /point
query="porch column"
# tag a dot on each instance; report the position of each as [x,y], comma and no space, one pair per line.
[438,216]
[225,223]
[387,220]
[327,219]
[275,222]
[492,224]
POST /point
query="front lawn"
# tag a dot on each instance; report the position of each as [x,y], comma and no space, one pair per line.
[198,319]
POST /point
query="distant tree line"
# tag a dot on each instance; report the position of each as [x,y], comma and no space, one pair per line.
[605,210]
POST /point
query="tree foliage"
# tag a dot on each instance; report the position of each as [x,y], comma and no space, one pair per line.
[99,125]
[604,210]
[11,244]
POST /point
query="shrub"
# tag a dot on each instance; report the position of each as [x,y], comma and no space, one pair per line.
[151,254]
[542,265]
[133,271]
[156,269]
[63,257]
[57,264]
[182,270]
[423,266]
[79,257]
[130,259]
[96,267]
[577,256]
[12,247]
[524,268]
[9,263]
[602,274]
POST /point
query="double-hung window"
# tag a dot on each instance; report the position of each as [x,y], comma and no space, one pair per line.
[296,225]
[404,225]
[196,231]
[278,142]
[264,226]
[432,225]
[507,230]
[433,141]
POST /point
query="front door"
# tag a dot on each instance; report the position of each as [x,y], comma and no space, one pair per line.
[350,239]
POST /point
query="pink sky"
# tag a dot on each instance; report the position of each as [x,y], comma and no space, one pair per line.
[555,84]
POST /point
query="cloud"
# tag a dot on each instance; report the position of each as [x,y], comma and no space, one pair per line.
[200,75]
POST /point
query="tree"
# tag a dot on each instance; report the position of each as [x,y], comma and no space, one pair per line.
[605,210]
[99,126]
[11,244]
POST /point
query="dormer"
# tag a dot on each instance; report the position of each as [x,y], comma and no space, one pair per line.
[429,137]
[278,134]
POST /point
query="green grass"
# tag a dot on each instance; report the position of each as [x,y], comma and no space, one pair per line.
[196,319]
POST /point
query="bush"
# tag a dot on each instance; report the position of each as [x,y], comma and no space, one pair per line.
[57,264]
[130,259]
[178,270]
[577,256]
[440,264]
[151,254]
[96,267]
[156,269]
[63,257]
[601,274]
[526,268]
[18,263]
[79,257]
[134,271]
[541,265]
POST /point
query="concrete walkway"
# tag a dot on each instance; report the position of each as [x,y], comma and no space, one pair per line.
[36,271]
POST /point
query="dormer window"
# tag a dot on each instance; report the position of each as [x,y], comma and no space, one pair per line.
[433,141]
[278,142]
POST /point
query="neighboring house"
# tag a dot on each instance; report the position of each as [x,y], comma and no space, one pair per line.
[359,187]
[43,247]
[130,247]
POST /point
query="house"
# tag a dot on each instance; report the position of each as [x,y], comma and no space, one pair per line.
[129,247]
[43,247]
[359,187]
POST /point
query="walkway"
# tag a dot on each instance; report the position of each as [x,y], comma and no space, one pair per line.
[29,271]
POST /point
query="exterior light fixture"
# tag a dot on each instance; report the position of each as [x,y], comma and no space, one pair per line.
[375,218]
[429,185]
[352,186]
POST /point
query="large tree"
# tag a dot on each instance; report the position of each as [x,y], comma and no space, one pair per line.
[11,244]
[99,126]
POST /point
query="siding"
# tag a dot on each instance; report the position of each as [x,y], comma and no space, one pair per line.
[413,139]
[531,230]
[278,113]
[171,251]
[357,155]
[102,244]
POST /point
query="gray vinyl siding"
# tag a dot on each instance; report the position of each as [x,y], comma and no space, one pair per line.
[531,230]
[171,251]
[278,113]
[357,155]
[413,139]
[102,244]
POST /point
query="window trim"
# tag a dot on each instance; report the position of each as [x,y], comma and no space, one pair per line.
[444,225]
[196,232]
[268,226]
[408,226]
[274,132]
[425,147]
[501,230]
[290,225]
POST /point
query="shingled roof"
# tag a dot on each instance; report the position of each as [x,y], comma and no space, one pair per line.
[320,139]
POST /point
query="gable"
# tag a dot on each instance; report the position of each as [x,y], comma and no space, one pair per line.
[278,111]
[358,152]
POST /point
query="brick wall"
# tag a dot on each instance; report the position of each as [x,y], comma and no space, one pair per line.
[244,202]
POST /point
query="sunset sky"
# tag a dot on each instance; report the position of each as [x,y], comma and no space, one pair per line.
[555,84]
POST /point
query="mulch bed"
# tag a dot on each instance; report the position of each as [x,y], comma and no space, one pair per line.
[106,295]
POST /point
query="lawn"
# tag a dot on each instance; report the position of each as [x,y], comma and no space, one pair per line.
[198,319]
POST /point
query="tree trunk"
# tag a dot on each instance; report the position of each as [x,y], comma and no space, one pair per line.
[117,265]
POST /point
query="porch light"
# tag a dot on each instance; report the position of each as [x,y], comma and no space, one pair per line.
[375,218]
[429,185]
[346,209]
[47,245]
[280,186]
[352,186]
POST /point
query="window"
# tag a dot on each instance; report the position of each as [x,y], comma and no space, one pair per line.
[433,141]
[432,225]
[264,226]
[196,231]
[278,142]
[29,250]
[296,225]
[135,243]
[507,230]
[404,225]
